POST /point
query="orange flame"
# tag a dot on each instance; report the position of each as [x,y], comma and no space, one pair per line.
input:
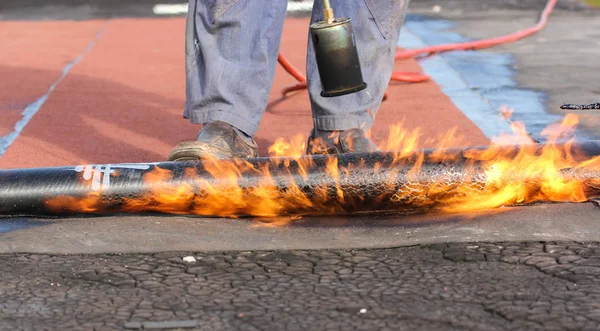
[87,204]
[505,176]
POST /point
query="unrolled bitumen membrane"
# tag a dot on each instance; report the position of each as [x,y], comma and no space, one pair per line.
[309,185]
[581,107]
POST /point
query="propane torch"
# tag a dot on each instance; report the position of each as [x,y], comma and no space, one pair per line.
[336,55]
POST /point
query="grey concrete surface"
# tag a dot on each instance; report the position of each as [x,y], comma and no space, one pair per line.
[423,6]
[561,61]
[468,286]
[139,234]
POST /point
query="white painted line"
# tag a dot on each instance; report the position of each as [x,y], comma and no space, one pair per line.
[170,9]
[182,8]
[476,107]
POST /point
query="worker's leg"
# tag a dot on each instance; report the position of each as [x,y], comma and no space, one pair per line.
[231,54]
[376,26]
[230,57]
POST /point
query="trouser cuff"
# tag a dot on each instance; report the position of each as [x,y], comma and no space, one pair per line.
[241,123]
[337,123]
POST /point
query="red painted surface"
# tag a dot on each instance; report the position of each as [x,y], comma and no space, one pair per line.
[32,57]
[123,102]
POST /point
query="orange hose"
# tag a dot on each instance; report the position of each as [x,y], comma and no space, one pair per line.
[411,77]
[290,68]
[485,43]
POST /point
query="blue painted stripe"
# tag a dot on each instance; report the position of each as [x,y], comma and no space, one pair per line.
[33,108]
[477,108]
[480,82]
[16,224]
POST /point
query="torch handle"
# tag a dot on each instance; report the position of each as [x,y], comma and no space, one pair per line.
[327,12]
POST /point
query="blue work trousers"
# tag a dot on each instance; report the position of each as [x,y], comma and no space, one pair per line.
[231,55]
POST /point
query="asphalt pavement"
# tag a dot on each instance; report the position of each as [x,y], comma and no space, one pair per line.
[467,286]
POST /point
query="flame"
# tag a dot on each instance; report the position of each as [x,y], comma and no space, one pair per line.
[283,185]
[163,198]
[508,178]
[87,204]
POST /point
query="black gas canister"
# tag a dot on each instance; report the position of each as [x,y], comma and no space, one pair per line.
[337,57]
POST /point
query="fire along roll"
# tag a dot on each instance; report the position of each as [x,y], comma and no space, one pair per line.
[423,181]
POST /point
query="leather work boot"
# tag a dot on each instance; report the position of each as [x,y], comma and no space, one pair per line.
[339,142]
[218,140]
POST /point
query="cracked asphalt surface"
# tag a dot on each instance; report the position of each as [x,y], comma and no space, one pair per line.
[474,286]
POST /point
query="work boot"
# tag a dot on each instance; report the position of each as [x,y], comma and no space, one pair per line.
[339,142]
[217,140]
